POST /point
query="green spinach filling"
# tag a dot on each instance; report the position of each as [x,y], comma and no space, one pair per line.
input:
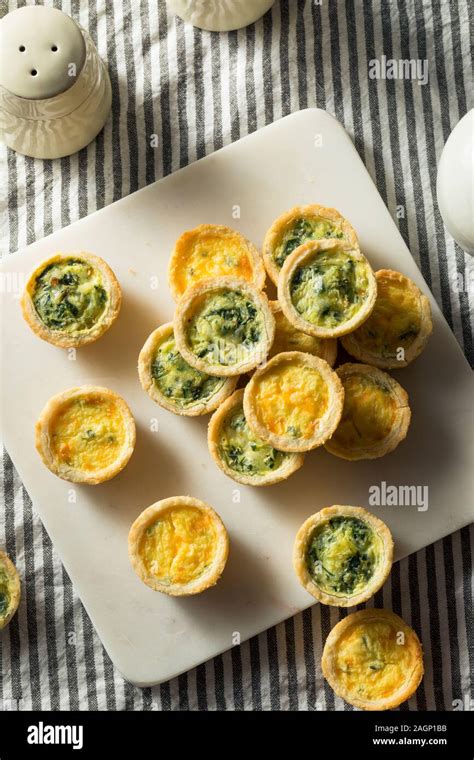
[226,328]
[4,594]
[244,453]
[342,555]
[329,289]
[302,230]
[69,295]
[177,380]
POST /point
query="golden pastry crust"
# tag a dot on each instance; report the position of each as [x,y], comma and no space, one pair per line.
[198,405]
[213,250]
[401,319]
[287,463]
[236,341]
[330,222]
[329,322]
[71,338]
[288,338]
[194,522]
[294,402]
[376,414]
[388,675]
[378,543]
[10,590]
[85,434]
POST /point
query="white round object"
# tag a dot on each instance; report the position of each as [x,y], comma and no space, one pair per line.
[55,92]
[455,183]
[220,15]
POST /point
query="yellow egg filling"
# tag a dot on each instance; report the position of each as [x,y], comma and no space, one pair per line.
[212,255]
[288,338]
[179,546]
[88,433]
[290,399]
[368,413]
[374,660]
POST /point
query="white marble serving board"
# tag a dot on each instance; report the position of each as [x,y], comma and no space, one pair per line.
[306,157]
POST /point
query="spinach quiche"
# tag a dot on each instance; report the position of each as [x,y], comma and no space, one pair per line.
[376,415]
[297,226]
[224,326]
[373,660]
[398,328]
[294,402]
[71,299]
[86,434]
[178,546]
[212,250]
[10,590]
[240,454]
[327,288]
[172,383]
[343,555]
[288,338]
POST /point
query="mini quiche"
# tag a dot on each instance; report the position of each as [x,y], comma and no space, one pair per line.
[172,383]
[376,415]
[240,454]
[397,330]
[178,546]
[297,226]
[212,250]
[327,288]
[373,660]
[288,338]
[86,434]
[10,590]
[224,326]
[343,555]
[71,299]
[294,402]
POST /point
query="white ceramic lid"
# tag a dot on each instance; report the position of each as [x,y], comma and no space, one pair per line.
[42,51]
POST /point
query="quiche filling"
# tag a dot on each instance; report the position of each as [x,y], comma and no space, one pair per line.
[342,555]
[302,230]
[69,296]
[373,660]
[4,593]
[213,255]
[291,399]
[368,413]
[394,323]
[329,289]
[242,451]
[288,338]
[88,433]
[226,328]
[179,546]
[177,380]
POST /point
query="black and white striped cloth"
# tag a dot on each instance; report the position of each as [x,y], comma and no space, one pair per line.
[199,91]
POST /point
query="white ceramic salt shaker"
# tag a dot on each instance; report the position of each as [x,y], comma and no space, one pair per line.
[220,15]
[55,92]
[455,183]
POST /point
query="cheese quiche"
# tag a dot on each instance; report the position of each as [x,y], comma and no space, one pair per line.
[373,660]
[71,299]
[342,555]
[10,590]
[398,328]
[327,288]
[172,383]
[240,454]
[294,402]
[376,415]
[288,338]
[178,546]
[212,250]
[297,226]
[224,326]
[86,434]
